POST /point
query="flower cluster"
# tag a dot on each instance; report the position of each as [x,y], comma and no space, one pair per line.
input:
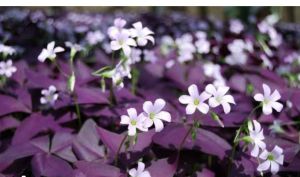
[215,95]
[238,50]
[153,114]
[125,39]
[271,160]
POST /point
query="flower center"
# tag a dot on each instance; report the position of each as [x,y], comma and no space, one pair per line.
[219,99]
[270,157]
[151,115]
[133,122]
[266,101]
[196,102]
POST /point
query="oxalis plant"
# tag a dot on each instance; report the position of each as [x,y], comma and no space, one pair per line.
[176,98]
[216,95]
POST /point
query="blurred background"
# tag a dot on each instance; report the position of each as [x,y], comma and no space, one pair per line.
[286,14]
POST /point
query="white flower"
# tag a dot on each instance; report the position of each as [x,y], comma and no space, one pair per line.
[236,46]
[236,58]
[142,34]
[272,160]
[219,97]
[269,100]
[214,71]
[74,46]
[121,70]
[236,26]
[154,114]
[50,52]
[275,38]
[257,136]
[195,100]
[186,48]
[140,171]
[135,56]
[49,96]
[8,50]
[167,44]
[201,35]
[7,68]
[150,56]
[123,41]
[133,121]
[94,37]
[203,46]
[119,24]
[276,127]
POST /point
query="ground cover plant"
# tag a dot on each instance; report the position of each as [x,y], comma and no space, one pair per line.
[143,95]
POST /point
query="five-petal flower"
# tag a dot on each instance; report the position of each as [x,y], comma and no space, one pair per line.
[219,97]
[272,160]
[154,114]
[143,34]
[134,121]
[123,41]
[269,100]
[7,68]
[49,96]
[195,100]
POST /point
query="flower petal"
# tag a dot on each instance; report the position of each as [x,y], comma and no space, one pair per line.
[277,106]
[158,125]
[203,107]
[193,90]
[148,107]
[213,102]
[190,109]
[211,89]
[267,109]
[163,115]
[275,96]
[255,151]
[125,119]
[159,104]
[131,130]
[274,167]
[264,166]
[132,113]
[226,107]
[259,97]
[267,90]
[141,167]
[185,99]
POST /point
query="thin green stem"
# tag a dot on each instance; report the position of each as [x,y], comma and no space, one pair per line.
[58,68]
[77,108]
[119,149]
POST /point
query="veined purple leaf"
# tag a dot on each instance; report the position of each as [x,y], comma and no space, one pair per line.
[86,143]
